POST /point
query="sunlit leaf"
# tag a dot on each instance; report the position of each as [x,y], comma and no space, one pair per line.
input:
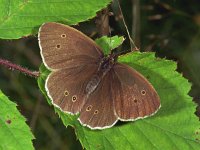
[23,17]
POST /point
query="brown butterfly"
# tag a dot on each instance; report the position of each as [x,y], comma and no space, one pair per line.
[83,80]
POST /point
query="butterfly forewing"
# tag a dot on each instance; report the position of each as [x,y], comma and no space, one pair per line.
[98,111]
[63,47]
[134,97]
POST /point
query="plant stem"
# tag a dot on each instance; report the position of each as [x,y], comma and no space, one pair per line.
[12,66]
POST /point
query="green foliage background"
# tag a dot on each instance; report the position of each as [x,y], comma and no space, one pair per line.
[15,133]
[174,35]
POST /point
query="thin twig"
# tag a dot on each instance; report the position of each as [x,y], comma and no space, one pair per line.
[23,70]
[132,43]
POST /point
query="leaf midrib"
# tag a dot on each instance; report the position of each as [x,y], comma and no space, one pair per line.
[10,16]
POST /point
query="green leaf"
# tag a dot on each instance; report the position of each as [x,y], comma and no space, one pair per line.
[43,75]
[174,126]
[14,132]
[109,43]
[23,17]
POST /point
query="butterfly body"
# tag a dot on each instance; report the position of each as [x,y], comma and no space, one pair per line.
[85,81]
[105,65]
[92,84]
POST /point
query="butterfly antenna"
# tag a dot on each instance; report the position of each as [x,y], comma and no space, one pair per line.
[132,43]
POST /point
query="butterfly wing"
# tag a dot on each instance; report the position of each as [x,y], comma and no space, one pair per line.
[65,47]
[66,87]
[134,96]
[98,111]
[73,58]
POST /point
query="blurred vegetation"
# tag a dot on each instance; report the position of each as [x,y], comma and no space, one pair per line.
[171,28]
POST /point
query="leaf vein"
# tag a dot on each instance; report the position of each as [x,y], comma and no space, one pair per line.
[20,7]
[148,139]
[170,131]
[125,137]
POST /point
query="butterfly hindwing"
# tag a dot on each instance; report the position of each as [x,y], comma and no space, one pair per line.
[98,111]
[66,88]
